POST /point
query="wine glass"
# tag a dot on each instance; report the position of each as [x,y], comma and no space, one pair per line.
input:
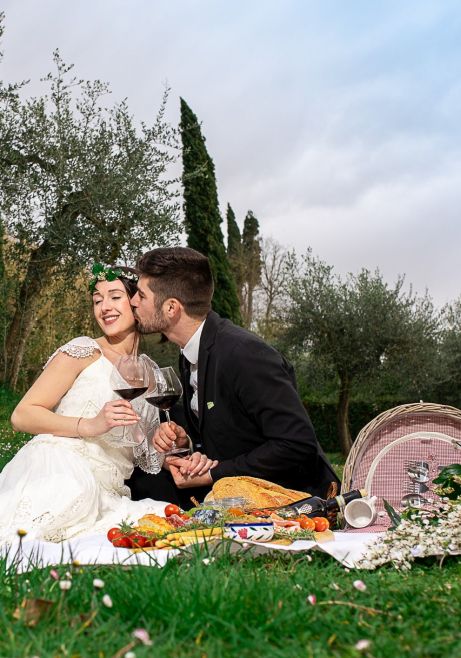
[130,379]
[166,394]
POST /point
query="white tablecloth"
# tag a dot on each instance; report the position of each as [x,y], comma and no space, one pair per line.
[347,548]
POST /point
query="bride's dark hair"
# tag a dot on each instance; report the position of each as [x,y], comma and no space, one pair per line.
[129,286]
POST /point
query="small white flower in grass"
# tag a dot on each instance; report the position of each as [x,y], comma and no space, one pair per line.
[98,583]
[312,599]
[298,586]
[65,584]
[207,560]
[362,645]
[129,654]
[360,585]
[68,575]
[143,636]
[107,601]
[54,574]
[335,587]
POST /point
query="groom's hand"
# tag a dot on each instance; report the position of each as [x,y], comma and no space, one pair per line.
[166,434]
[193,471]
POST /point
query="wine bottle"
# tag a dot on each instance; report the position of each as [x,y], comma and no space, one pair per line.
[316,506]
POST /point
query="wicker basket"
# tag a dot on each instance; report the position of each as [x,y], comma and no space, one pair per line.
[384,449]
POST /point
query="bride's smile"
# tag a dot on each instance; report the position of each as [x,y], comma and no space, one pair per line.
[112,309]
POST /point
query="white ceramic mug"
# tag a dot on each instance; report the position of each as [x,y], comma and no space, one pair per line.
[361,512]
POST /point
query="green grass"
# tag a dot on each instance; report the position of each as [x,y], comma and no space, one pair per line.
[240,606]
[10,441]
[236,605]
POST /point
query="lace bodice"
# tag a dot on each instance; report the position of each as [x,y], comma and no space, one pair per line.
[92,389]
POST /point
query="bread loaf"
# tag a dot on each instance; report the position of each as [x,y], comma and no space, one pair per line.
[257,492]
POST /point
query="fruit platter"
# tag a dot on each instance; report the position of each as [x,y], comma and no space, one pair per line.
[216,521]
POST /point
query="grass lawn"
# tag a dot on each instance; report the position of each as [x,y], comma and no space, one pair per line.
[219,606]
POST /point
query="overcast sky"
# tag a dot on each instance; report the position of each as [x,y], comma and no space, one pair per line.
[337,123]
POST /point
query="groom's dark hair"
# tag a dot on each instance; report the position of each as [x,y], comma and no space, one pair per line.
[182,273]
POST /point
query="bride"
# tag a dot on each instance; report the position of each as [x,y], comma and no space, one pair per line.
[69,479]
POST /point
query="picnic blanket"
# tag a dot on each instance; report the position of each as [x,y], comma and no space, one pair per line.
[347,548]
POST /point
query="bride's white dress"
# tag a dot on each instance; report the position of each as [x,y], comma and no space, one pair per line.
[58,487]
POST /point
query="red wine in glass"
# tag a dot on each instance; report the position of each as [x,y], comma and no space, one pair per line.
[167,393]
[130,393]
[163,402]
[129,379]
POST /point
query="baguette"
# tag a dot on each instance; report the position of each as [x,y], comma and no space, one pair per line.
[198,532]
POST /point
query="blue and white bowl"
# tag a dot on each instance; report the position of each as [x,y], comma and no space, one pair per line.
[258,531]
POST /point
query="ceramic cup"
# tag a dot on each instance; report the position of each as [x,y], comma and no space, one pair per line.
[361,512]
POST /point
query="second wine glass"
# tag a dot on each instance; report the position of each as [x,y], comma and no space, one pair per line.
[167,393]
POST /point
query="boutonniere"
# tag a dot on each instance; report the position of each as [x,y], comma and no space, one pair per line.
[210,405]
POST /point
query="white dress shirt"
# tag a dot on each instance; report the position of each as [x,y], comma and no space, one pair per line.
[190,351]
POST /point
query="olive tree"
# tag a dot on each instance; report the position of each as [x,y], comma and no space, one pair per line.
[358,326]
[79,180]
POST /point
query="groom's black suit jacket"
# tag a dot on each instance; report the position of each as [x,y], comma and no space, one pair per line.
[251,418]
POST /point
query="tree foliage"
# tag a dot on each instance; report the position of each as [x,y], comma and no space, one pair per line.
[201,212]
[79,181]
[244,253]
[361,328]
[251,252]
[234,251]
[447,384]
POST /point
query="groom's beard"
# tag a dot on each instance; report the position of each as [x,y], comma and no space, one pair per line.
[156,324]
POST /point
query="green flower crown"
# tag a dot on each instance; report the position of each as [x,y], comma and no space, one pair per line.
[102,273]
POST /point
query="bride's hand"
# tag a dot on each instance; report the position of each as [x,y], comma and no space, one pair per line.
[113,414]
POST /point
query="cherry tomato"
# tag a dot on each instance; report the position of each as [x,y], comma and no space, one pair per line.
[138,541]
[113,532]
[122,541]
[321,523]
[307,523]
[172,509]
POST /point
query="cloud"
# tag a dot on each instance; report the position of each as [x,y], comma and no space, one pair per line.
[336,123]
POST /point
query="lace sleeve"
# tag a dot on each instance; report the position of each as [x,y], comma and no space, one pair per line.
[79,348]
[145,455]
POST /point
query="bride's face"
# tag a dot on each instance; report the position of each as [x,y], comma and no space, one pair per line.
[112,308]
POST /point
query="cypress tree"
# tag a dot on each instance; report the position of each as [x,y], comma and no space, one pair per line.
[234,238]
[202,217]
[234,251]
[251,251]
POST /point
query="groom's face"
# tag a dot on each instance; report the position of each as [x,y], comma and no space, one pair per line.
[149,314]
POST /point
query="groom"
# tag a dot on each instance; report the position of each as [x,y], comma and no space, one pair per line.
[240,401]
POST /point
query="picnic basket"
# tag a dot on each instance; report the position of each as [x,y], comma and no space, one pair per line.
[397,455]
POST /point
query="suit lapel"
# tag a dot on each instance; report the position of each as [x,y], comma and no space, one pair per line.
[206,342]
